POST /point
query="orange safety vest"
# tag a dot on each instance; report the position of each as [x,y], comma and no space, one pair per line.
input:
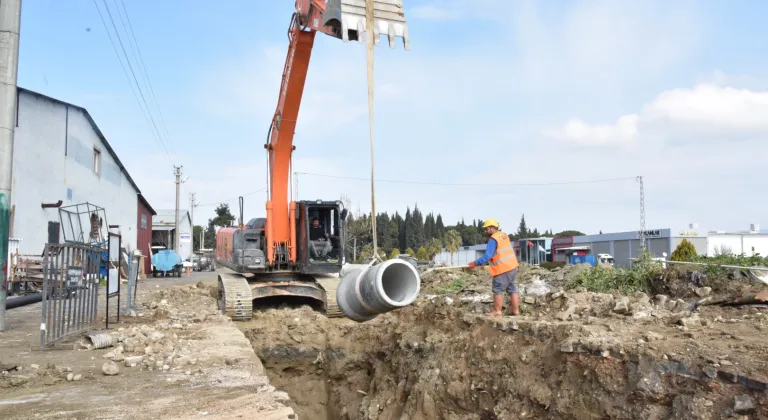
[504,259]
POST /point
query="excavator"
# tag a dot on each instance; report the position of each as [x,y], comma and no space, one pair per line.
[282,255]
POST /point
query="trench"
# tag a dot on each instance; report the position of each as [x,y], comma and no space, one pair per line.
[440,362]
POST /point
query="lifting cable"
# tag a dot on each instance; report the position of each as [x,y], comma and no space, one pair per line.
[369,40]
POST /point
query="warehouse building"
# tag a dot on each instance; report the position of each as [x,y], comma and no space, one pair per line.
[624,246]
[164,232]
[749,243]
[64,172]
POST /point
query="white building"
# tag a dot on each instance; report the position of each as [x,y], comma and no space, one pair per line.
[60,159]
[748,243]
[164,231]
[464,256]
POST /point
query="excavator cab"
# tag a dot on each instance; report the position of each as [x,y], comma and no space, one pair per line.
[320,235]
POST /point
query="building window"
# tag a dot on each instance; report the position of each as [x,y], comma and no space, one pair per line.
[97,161]
[143,221]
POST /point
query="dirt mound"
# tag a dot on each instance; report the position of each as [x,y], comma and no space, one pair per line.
[573,356]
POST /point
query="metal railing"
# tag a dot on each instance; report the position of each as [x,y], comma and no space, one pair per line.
[70,290]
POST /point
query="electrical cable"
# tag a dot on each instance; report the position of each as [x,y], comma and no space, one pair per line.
[230,199]
[448,184]
[146,73]
[155,133]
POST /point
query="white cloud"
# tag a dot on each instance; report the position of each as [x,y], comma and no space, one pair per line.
[720,110]
[438,109]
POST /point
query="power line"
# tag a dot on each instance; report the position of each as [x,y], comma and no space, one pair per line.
[155,134]
[144,69]
[446,184]
[212,203]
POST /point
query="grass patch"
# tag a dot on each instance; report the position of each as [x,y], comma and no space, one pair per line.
[456,285]
[639,278]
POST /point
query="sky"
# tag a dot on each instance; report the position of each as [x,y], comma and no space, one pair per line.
[492,113]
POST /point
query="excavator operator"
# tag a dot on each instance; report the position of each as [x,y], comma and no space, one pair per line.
[319,240]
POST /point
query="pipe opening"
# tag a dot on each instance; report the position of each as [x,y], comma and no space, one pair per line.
[400,284]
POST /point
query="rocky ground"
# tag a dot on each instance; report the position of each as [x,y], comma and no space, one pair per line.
[175,359]
[572,355]
[674,353]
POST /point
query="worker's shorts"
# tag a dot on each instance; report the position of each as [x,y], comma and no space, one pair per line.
[505,282]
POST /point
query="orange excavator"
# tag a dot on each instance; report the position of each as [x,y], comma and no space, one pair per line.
[298,249]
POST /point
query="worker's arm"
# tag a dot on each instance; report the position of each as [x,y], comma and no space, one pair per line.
[490,249]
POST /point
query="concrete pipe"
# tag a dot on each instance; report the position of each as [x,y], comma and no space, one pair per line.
[365,292]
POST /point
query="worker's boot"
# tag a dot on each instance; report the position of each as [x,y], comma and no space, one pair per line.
[514,304]
[498,302]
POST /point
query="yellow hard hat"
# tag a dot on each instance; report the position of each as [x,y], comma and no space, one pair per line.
[491,222]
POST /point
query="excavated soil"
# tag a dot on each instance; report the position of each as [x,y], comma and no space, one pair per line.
[572,356]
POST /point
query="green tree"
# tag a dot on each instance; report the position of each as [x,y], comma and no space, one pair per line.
[452,242]
[367,253]
[410,252]
[421,254]
[394,254]
[434,246]
[570,233]
[685,251]
[439,227]
[196,231]
[522,229]
[224,216]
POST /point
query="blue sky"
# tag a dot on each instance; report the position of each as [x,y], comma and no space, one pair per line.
[539,92]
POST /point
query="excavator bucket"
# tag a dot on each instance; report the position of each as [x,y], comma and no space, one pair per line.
[349,17]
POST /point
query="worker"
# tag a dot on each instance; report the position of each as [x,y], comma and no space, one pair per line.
[503,267]
[319,238]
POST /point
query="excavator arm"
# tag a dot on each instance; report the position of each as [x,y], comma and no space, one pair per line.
[342,19]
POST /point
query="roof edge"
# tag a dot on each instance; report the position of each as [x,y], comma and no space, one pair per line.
[95,128]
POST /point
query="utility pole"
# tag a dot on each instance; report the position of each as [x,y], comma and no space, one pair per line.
[177,173]
[10,24]
[642,213]
[192,206]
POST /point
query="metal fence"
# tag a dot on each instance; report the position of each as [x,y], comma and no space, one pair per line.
[70,290]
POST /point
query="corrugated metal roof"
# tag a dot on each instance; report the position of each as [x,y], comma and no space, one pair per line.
[168,216]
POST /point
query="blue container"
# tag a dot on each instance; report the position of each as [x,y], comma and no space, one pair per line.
[581,259]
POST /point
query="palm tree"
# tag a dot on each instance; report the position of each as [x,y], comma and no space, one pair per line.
[434,246]
[452,242]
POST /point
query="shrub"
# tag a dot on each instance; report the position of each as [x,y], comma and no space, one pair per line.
[552,265]
[410,252]
[685,251]
[394,254]
[637,279]
[422,254]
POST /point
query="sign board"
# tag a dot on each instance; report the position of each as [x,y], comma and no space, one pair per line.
[74,275]
[185,237]
[114,247]
[688,233]
[113,281]
[656,233]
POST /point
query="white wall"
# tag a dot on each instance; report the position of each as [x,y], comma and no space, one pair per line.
[460,257]
[42,173]
[737,243]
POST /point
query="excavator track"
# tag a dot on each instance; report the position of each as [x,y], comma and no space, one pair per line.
[235,297]
[330,285]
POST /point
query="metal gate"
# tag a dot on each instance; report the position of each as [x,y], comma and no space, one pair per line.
[70,290]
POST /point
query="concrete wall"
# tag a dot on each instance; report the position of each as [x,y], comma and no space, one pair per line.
[53,160]
[461,257]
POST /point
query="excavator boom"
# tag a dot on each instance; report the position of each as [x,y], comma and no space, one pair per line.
[287,261]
